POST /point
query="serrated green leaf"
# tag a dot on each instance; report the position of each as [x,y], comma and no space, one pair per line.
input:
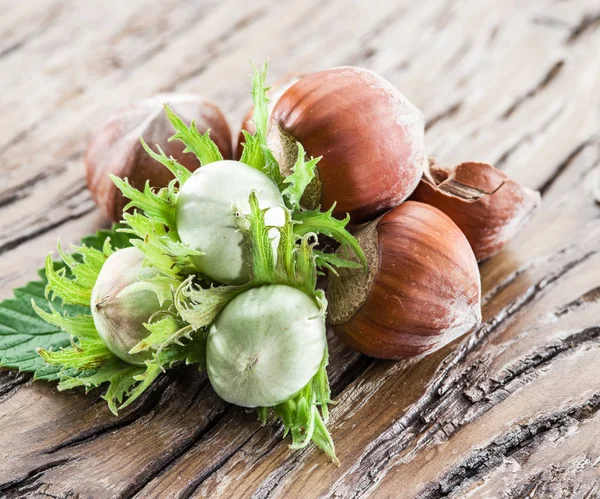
[200,306]
[262,260]
[162,247]
[296,183]
[252,153]
[84,354]
[159,205]
[260,99]
[323,222]
[331,262]
[81,326]
[201,145]
[163,331]
[300,415]
[180,172]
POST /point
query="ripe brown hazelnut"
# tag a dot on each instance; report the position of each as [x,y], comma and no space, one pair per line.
[115,147]
[274,93]
[422,289]
[489,207]
[370,136]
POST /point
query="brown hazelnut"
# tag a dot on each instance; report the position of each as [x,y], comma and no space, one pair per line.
[422,289]
[274,93]
[115,147]
[489,207]
[370,136]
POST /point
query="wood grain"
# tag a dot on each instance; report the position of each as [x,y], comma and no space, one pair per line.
[510,410]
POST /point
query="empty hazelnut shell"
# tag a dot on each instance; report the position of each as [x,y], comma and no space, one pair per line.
[422,289]
[489,207]
[115,147]
[370,137]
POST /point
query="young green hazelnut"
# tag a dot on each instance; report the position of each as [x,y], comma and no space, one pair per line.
[265,346]
[115,148]
[122,303]
[209,209]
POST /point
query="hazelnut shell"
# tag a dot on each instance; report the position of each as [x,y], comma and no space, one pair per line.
[421,292]
[488,206]
[115,146]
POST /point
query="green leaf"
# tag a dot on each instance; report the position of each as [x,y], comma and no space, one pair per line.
[331,262]
[200,306]
[300,415]
[119,375]
[160,205]
[260,100]
[252,154]
[163,332]
[256,152]
[162,247]
[201,145]
[180,172]
[320,222]
[302,174]
[262,259]
[81,326]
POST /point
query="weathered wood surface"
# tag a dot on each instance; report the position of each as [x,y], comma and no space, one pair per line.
[511,410]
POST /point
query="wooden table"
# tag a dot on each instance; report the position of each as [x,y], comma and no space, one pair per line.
[510,410]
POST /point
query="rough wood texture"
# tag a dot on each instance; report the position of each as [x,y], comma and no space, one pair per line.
[511,410]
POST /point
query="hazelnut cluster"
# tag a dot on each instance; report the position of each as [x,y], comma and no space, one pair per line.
[422,288]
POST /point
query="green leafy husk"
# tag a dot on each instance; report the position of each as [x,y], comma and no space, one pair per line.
[73,352]
[55,322]
[22,330]
[304,416]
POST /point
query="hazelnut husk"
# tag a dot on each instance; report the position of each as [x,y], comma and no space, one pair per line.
[115,146]
[370,137]
[422,289]
[487,205]
[274,93]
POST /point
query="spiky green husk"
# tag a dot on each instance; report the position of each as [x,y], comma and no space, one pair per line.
[87,361]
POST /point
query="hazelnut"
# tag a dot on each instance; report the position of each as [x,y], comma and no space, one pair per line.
[115,147]
[370,136]
[489,207]
[422,289]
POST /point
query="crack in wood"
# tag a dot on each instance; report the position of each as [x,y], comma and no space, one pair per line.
[503,158]
[136,488]
[12,48]
[387,445]
[507,444]
[563,165]
[444,115]
[17,487]
[192,488]
[552,73]
[23,190]
[10,382]
[589,22]
[149,400]
[83,208]
[541,357]
[350,371]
